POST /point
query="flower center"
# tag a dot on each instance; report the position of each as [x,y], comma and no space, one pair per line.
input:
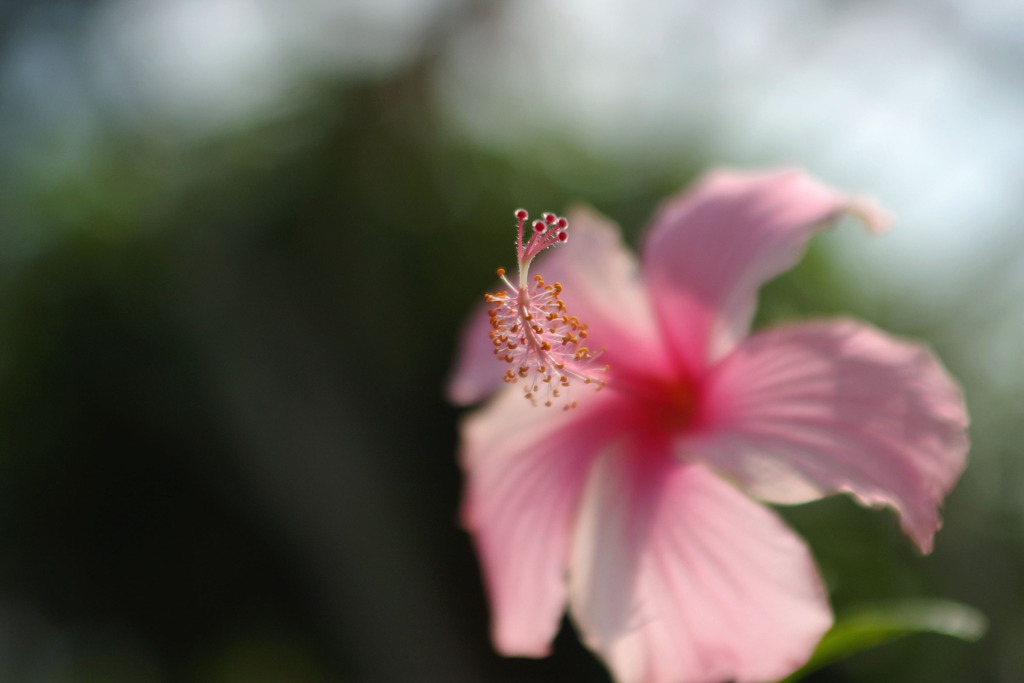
[531,329]
[678,408]
[665,408]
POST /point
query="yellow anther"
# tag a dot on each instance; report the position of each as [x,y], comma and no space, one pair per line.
[532,331]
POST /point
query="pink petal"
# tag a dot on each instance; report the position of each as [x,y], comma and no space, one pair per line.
[601,286]
[476,373]
[679,578]
[710,249]
[820,408]
[525,467]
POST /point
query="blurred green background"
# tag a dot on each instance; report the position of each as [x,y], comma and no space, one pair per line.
[238,239]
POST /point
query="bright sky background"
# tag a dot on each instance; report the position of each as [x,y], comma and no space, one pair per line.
[910,101]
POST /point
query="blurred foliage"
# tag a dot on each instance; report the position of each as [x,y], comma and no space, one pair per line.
[866,628]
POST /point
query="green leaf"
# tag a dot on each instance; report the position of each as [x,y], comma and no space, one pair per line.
[869,627]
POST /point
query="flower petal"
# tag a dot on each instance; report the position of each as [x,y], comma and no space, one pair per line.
[710,249]
[525,468]
[820,408]
[601,286]
[677,577]
[476,373]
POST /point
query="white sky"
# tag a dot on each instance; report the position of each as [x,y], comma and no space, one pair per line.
[898,99]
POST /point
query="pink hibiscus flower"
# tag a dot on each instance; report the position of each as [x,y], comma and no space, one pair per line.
[637,508]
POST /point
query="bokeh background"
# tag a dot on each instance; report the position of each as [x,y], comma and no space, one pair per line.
[238,239]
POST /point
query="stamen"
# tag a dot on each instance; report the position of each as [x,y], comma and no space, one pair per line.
[548,355]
